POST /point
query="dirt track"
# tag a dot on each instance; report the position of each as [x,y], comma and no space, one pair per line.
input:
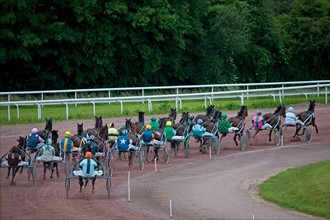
[199,188]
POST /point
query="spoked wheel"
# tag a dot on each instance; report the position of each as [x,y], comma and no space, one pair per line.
[277,137]
[141,159]
[248,136]
[67,187]
[110,167]
[308,135]
[166,155]
[108,186]
[242,142]
[34,174]
[187,148]
[176,148]
[216,145]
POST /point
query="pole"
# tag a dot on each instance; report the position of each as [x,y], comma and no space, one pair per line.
[129,186]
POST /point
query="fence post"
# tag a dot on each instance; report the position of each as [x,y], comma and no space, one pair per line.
[17,109]
[326,95]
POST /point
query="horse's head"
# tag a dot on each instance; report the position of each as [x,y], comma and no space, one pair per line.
[243,113]
[282,111]
[128,124]
[49,125]
[162,123]
[217,115]
[103,134]
[311,106]
[141,117]
[172,115]
[80,128]
[210,110]
[184,118]
[21,142]
[54,136]
[98,122]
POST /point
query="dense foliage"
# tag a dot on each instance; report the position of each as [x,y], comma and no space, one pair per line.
[65,44]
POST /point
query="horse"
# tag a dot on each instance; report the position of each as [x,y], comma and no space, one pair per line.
[48,128]
[172,115]
[180,128]
[308,118]
[139,125]
[209,113]
[239,120]
[98,124]
[80,129]
[274,119]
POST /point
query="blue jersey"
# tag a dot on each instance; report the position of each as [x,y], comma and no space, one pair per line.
[33,140]
[147,136]
[88,166]
[198,130]
[66,145]
[123,143]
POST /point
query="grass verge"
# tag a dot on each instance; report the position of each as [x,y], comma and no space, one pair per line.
[305,189]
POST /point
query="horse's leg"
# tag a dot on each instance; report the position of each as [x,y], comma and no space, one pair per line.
[8,174]
[51,167]
[93,184]
[235,139]
[57,173]
[313,123]
[81,183]
[130,158]
[270,135]
[86,182]
[13,174]
[257,131]
[45,169]
[296,133]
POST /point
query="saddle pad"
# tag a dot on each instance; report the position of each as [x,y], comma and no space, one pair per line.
[99,154]
[75,149]
[177,138]
[80,173]
[157,143]
[55,159]
[22,163]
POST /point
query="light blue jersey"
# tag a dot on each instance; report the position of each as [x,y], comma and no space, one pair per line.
[88,166]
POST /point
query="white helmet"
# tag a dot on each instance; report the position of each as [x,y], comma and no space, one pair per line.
[199,121]
[290,109]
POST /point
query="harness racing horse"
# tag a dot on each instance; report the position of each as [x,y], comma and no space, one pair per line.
[172,115]
[239,121]
[98,124]
[48,128]
[209,113]
[274,119]
[139,125]
[308,118]
[180,129]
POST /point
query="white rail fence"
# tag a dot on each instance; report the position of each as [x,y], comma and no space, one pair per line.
[304,88]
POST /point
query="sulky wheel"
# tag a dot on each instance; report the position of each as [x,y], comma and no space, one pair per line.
[187,148]
[242,142]
[277,138]
[217,146]
[141,159]
[308,135]
[166,155]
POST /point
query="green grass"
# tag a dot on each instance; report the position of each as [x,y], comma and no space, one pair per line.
[305,189]
[29,114]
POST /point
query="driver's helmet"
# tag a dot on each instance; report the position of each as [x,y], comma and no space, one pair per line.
[169,123]
[259,112]
[148,127]
[49,141]
[199,121]
[124,132]
[67,134]
[290,109]
[92,138]
[34,130]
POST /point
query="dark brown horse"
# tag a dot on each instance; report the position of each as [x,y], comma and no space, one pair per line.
[98,124]
[239,121]
[209,114]
[48,128]
[139,125]
[274,119]
[172,115]
[307,117]
[21,146]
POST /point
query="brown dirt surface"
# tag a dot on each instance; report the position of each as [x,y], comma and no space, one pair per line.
[225,187]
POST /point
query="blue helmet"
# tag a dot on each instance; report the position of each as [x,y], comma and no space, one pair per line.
[92,138]
[124,132]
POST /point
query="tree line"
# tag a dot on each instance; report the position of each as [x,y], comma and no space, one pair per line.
[76,44]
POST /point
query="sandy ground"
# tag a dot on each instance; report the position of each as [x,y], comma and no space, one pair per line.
[225,187]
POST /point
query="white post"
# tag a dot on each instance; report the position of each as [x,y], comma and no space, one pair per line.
[252,216]
[282,141]
[170,208]
[210,151]
[129,186]
[155,159]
